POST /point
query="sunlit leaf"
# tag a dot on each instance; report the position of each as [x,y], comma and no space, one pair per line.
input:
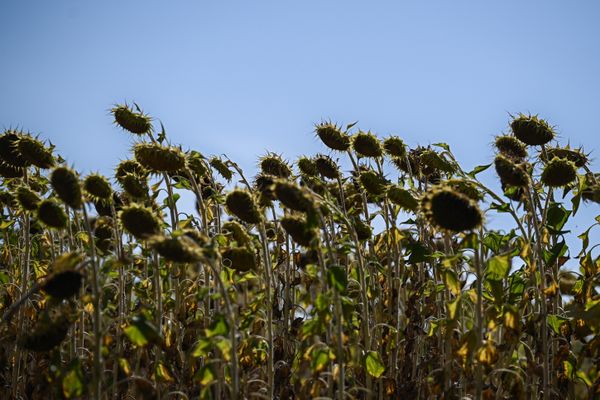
[374,364]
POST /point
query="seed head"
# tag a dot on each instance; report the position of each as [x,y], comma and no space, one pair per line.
[532,130]
[293,197]
[373,183]
[307,166]
[449,210]
[28,199]
[135,186]
[180,249]
[9,150]
[103,231]
[140,221]
[35,152]
[297,228]
[51,214]
[272,164]
[402,198]
[63,284]
[129,167]
[363,230]
[97,186]
[241,204]
[332,136]
[8,171]
[559,172]
[156,158]
[511,173]
[237,232]
[394,147]
[511,147]
[367,145]
[46,334]
[129,120]
[265,185]
[66,185]
[239,258]
[326,166]
[576,156]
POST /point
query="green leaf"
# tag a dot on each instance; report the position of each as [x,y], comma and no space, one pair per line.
[6,224]
[498,268]
[141,332]
[374,364]
[72,383]
[453,306]
[218,327]
[206,375]
[478,169]
[136,336]
[555,321]
[557,217]
[319,359]
[452,282]
[202,348]
[224,345]
[336,277]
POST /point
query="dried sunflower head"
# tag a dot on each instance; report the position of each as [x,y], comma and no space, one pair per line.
[28,199]
[293,197]
[241,204]
[394,147]
[511,173]
[9,150]
[298,229]
[332,136]
[326,166]
[450,210]
[511,147]
[373,183]
[532,130]
[241,259]
[63,284]
[66,185]
[559,172]
[180,249]
[35,152]
[51,214]
[402,198]
[273,164]
[237,232]
[366,144]
[140,221]
[156,158]
[578,157]
[307,166]
[132,121]
[47,333]
[97,186]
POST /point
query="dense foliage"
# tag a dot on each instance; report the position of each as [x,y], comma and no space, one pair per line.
[307,281]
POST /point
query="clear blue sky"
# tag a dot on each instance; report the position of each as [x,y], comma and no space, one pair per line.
[243,77]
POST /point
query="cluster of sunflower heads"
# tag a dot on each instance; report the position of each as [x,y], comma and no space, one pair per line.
[19,150]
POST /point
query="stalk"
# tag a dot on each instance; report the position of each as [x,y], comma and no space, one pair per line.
[97,372]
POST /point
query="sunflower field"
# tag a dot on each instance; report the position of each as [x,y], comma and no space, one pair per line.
[368,271]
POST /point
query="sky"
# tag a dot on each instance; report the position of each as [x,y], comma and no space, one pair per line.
[245,77]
